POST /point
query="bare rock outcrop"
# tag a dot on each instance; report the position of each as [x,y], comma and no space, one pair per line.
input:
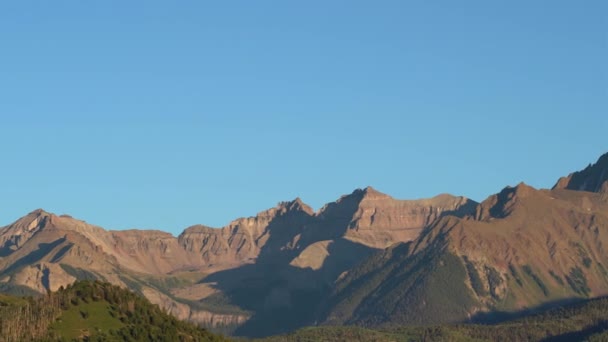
[185,312]
[381,220]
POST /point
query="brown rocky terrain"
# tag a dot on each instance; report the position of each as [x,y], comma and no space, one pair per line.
[520,250]
[366,258]
[381,221]
[44,251]
[366,216]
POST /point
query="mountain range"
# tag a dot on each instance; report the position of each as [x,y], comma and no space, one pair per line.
[366,259]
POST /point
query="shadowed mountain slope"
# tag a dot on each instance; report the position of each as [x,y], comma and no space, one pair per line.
[521,248]
[593,178]
[585,321]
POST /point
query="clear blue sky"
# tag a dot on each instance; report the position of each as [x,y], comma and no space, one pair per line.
[163,114]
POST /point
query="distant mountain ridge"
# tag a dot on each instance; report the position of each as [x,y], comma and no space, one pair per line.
[43,251]
[365,259]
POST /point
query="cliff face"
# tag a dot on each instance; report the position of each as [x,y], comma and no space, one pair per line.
[186,312]
[381,220]
[243,240]
[149,251]
[366,217]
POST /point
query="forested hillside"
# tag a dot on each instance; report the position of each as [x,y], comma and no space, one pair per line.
[92,311]
[586,321]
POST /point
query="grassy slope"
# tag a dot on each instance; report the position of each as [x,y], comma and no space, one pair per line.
[86,319]
[6,300]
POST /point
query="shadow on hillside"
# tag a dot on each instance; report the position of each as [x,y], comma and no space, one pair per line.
[581,335]
[283,297]
[466,209]
[6,251]
[34,256]
[503,316]
[57,257]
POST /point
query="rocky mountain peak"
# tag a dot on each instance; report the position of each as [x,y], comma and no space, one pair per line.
[523,190]
[590,179]
[39,211]
[501,204]
[370,193]
[296,204]
[30,223]
[197,229]
[349,203]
